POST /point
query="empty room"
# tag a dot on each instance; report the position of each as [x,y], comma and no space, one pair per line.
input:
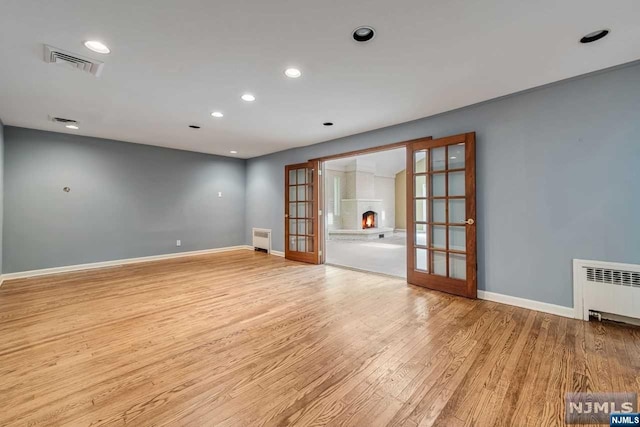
[357,213]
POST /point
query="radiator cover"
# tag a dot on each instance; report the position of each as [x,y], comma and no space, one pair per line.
[607,287]
[262,239]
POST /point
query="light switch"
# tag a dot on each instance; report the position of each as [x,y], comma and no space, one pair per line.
[219,193]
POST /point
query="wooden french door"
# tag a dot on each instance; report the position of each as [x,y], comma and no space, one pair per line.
[301,214]
[441,214]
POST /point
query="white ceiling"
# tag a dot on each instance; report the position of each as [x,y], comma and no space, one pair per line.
[174,62]
[386,163]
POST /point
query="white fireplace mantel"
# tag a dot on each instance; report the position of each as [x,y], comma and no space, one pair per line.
[352,210]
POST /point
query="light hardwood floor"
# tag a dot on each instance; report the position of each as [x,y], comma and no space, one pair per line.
[241,338]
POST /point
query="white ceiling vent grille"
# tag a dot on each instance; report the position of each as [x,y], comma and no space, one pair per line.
[58,56]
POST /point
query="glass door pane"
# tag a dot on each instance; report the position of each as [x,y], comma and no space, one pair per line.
[456,156]
[439,210]
[439,263]
[457,211]
[438,185]
[420,161]
[456,183]
[438,159]
[457,238]
[421,259]
[458,266]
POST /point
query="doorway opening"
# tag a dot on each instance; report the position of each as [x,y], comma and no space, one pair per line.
[336,211]
[365,204]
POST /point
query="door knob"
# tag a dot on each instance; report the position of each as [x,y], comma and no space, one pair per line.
[286,215]
[470,221]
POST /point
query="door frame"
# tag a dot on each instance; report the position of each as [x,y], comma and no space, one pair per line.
[472,268]
[385,147]
[321,203]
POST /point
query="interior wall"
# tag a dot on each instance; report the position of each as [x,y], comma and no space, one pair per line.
[330,196]
[385,189]
[401,200]
[557,174]
[126,200]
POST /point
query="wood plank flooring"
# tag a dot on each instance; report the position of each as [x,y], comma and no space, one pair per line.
[246,339]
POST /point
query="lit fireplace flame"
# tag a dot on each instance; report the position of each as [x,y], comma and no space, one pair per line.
[369,220]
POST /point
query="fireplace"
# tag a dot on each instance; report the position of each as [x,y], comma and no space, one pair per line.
[369,219]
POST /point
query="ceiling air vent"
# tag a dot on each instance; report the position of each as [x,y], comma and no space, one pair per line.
[63,120]
[58,56]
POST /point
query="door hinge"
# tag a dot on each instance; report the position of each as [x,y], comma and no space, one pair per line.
[320,253]
[319,172]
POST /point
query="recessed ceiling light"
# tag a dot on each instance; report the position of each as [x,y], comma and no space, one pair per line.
[328,123]
[233,152]
[97,46]
[74,127]
[248,97]
[594,36]
[363,34]
[293,73]
[217,114]
[194,126]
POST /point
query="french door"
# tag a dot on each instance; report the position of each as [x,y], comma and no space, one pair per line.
[441,214]
[301,214]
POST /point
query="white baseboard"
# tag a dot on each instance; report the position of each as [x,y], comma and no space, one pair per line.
[277,253]
[544,307]
[94,265]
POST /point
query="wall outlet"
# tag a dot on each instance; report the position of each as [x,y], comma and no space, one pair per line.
[178,242]
[219,193]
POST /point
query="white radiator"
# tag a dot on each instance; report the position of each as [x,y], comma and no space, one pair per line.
[262,239]
[606,287]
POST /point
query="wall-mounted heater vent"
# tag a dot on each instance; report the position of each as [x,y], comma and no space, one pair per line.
[606,287]
[614,277]
[262,239]
[54,55]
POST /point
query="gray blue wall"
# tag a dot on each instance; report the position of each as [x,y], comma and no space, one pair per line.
[126,200]
[558,176]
